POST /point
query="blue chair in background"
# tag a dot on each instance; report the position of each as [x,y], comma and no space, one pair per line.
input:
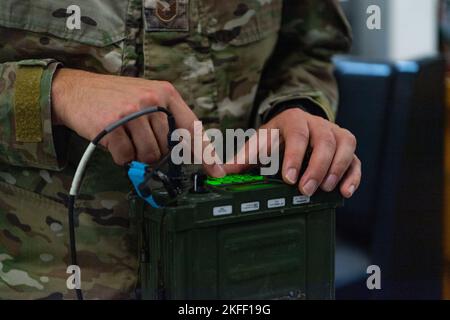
[396,110]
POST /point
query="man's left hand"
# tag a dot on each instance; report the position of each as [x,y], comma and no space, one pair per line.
[333,161]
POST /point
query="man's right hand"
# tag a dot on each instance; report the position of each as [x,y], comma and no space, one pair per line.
[87,103]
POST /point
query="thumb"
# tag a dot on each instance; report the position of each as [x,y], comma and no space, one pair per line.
[186,118]
[203,151]
[259,146]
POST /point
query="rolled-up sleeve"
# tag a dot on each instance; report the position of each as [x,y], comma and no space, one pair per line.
[300,72]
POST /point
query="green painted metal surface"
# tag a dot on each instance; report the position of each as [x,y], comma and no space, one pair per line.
[247,238]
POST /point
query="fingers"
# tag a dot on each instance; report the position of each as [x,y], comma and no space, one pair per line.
[323,143]
[345,151]
[167,96]
[144,140]
[120,146]
[205,151]
[352,178]
[296,143]
[158,123]
[332,161]
[259,149]
[185,118]
[245,158]
[164,94]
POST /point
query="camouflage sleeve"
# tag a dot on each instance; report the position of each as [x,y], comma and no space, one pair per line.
[26,131]
[300,72]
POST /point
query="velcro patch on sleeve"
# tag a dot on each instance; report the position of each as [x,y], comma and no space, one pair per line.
[27,107]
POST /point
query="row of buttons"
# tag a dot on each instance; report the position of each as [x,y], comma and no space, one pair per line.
[255,206]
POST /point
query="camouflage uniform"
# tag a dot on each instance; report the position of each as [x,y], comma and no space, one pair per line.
[231,61]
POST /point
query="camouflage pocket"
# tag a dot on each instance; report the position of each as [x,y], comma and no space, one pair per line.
[238,22]
[36,29]
[102,22]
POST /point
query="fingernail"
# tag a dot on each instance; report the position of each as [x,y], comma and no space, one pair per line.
[310,187]
[291,175]
[351,190]
[330,182]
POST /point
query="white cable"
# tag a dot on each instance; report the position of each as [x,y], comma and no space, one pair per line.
[81,168]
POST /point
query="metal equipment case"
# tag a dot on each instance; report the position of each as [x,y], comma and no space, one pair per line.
[248,237]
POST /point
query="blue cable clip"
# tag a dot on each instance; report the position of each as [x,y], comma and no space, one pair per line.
[137,173]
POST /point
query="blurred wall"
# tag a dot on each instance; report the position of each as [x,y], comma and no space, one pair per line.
[409,29]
